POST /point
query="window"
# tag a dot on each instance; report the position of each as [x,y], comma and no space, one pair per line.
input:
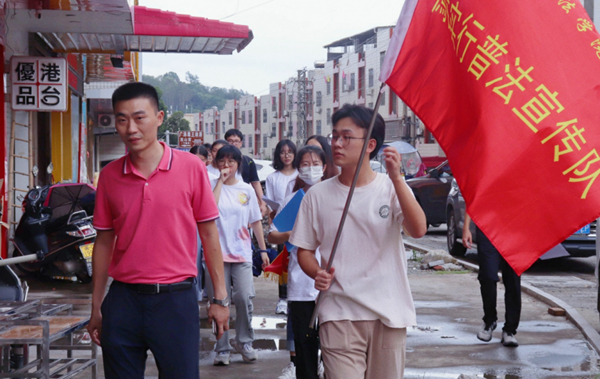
[328,86]
[352,81]
[250,138]
[371,77]
[328,116]
[223,125]
[249,117]
[345,84]
[290,102]
[264,115]
[244,141]
[273,104]
[212,127]
[370,105]
[382,99]
[230,118]
[381,58]
[265,140]
[319,98]
[207,129]
[243,117]
[319,127]
[273,129]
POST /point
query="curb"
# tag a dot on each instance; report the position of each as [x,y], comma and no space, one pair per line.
[572,315]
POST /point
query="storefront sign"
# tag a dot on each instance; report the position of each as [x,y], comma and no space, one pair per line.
[189,139]
[39,84]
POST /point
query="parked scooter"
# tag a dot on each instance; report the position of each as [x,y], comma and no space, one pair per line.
[57,225]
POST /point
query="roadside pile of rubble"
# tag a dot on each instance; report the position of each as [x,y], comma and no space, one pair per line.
[438,260]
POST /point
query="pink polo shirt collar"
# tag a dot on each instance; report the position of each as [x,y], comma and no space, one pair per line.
[165,162]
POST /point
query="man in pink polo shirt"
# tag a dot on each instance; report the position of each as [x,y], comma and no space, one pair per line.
[149,205]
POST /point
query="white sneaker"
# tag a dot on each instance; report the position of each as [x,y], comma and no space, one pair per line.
[289,372]
[509,340]
[281,308]
[321,370]
[247,351]
[222,358]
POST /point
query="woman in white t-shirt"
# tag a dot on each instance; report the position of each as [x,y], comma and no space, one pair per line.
[301,288]
[275,189]
[214,148]
[238,208]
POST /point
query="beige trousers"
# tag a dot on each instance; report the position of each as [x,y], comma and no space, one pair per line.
[362,350]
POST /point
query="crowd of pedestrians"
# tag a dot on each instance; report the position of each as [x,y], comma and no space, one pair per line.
[175,228]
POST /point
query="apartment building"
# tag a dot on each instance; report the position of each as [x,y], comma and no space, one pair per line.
[350,75]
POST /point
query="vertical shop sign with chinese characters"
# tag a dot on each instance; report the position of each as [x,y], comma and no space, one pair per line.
[39,84]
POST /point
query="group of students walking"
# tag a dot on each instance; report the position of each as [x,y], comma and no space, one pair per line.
[156,205]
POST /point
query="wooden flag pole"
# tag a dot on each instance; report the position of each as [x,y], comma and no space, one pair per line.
[313,319]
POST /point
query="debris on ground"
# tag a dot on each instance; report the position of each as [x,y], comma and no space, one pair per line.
[556,311]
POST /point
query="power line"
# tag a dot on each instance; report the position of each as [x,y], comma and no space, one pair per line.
[247,9]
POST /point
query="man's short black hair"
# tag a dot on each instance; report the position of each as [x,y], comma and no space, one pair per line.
[135,90]
[277,162]
[361,116]
[230,151]
[234,132]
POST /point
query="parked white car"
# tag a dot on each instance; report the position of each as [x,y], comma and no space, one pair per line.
[264,168]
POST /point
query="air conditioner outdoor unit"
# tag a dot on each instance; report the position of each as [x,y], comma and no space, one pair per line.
[290,134]
[272,135]
[318,110]
[106,121]
[285,113]
[262,151]
[274,115]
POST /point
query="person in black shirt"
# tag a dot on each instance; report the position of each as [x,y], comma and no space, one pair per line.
[249,172]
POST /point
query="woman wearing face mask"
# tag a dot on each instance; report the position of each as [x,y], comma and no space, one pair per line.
[311,163]
[238,208]
[330,169]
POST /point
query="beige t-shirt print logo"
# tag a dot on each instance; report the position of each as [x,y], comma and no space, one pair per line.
[384,211]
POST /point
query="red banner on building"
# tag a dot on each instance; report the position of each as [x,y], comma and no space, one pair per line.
[511,91]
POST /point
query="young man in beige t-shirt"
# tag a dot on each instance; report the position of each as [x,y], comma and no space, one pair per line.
[367,304]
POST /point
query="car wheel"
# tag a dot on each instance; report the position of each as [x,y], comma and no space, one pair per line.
[454,247]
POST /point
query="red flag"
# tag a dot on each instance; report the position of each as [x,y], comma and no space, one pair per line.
[511,91]
[279,267]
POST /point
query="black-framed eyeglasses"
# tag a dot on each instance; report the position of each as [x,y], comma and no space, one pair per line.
[345,139]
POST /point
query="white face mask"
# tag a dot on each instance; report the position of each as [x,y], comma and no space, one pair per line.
[311,175]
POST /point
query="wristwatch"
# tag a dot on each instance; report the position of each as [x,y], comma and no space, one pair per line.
[223,303]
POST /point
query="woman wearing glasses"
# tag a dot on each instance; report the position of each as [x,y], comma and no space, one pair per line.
[275,189]
[238,208]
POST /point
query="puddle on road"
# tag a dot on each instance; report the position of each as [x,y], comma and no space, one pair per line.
[262,323]
[208,344]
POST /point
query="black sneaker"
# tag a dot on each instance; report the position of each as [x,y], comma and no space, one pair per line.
[485,334]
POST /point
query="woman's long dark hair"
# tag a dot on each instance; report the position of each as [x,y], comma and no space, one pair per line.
[331,170]
[310,149]
[277,162]
[199,150]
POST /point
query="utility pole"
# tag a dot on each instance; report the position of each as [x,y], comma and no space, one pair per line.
[302,106]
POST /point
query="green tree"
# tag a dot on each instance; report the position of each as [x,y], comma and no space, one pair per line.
[175,123]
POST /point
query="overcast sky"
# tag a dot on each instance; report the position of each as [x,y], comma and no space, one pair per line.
[288,35]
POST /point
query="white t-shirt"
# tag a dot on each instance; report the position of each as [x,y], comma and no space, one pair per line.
[276,185]
[300,287]
[371,281]
[238,207]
